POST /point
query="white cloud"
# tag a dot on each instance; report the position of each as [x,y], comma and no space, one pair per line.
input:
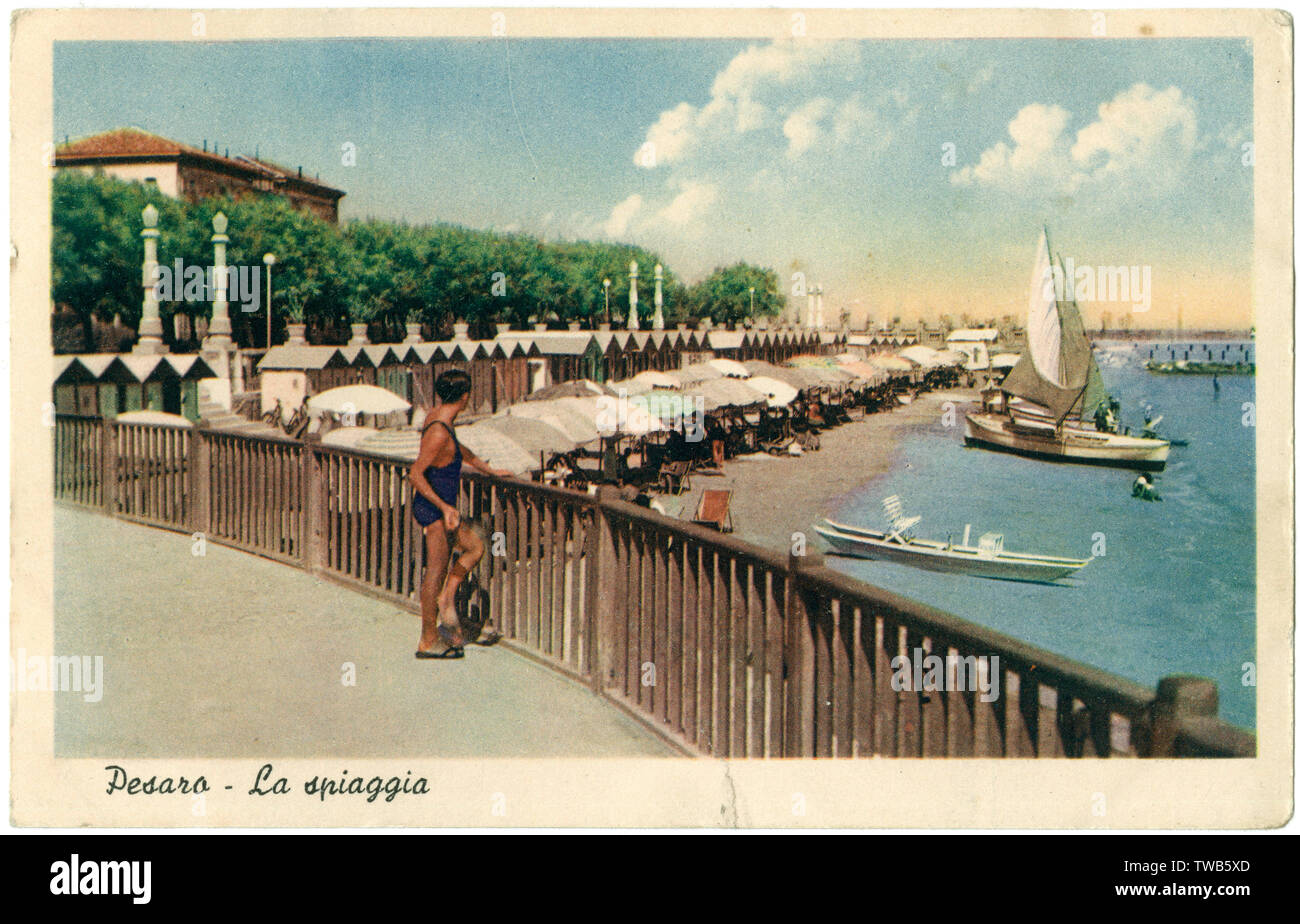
[621,216]
[671,137]
[1141,141]
[803,127]
[1141,132]
[688,205]
[758,83]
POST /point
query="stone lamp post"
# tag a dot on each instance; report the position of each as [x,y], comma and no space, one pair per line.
[150,341]
[632,322]
[218,337]
[658,323]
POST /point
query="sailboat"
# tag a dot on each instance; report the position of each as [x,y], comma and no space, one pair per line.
[1054,388]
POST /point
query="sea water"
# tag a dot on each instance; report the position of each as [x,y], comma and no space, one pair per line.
[1174,591]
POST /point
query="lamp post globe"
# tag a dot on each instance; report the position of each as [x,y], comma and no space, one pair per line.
[269,260]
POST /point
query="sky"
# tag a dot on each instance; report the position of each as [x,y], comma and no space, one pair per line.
[908,178]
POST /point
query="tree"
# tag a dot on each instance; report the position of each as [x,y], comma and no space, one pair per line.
[724,295]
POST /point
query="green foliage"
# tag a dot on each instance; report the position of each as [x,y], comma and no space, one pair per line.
[383,273]
[724,294]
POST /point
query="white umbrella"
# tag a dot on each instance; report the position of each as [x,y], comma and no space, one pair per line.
[654,379]
[921,355]
[157,418]
[778,393]
[1004,360]
[358,399]
[347,437]
[575,425]
[696,372]
[497,449]
[532,435]
[730,367]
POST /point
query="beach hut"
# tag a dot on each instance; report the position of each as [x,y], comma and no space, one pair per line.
[361,368]
[163,382]
[511,372]
[322,367]
[391,371]
[77,386]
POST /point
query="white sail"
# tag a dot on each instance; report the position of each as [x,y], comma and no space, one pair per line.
[1057,365]
[1043,325]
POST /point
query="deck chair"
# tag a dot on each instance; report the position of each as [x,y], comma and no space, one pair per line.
[714,510]
[675,477]
[900,526]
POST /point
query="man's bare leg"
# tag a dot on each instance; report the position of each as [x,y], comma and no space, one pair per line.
[437,555]
[470,547]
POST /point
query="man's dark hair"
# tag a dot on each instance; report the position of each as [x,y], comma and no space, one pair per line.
[451,386]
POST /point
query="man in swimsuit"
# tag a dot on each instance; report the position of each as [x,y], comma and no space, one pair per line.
[435,476]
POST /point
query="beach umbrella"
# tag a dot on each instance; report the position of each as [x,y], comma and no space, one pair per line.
[864,372]
[654,379]
[533,436]
[1004,360]
[579,388]
[778,393]
[614,417]
[577,427]
[950,357]
[726,393]
[892,363]
[696,372]
[496,449]
[398,442]
[921,355]
[358,399]
[630,387]
[761,367]
[156,418]
[729,367]
[347,437]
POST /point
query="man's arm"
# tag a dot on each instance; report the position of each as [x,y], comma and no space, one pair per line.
[476,462]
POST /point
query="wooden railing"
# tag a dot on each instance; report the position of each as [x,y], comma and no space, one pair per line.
[725,648]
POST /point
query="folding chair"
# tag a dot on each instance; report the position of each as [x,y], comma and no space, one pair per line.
[901,526]
[714,510]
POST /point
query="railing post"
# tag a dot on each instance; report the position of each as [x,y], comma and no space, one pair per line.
[801,695]
[1179,697]
[314,525]
[602,574]
[108,465]
[201,480]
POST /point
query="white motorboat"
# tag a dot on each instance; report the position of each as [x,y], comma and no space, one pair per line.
[987,558]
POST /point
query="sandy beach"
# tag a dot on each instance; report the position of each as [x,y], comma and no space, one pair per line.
[774,496]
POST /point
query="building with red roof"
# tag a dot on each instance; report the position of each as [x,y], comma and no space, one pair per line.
[185,172]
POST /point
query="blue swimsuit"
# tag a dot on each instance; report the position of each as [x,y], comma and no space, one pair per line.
[445,481]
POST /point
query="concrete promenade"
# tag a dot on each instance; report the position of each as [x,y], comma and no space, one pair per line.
[231,655]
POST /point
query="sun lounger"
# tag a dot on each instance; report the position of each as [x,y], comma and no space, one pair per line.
[714,510]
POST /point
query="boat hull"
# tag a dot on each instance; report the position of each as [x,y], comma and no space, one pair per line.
[935,556]
[1083,447]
